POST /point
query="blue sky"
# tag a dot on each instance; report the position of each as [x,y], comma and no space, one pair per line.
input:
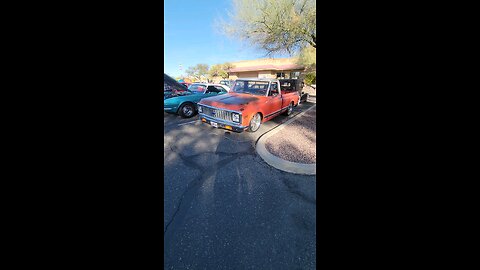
[190,36]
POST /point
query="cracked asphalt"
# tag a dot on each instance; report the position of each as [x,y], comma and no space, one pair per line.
[225,208]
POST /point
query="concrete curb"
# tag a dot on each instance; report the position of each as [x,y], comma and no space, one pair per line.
[281,164]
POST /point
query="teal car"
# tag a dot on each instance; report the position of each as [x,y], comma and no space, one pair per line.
[186,104]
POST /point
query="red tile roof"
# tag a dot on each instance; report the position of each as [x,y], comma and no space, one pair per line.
[267,67]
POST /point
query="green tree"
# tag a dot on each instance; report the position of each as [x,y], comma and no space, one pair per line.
[310,78]
[215,71]
[198,72]
[308,58]
[220,70]
[275,26]
[226,66]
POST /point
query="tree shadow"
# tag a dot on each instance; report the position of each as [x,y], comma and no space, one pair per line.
[242,214]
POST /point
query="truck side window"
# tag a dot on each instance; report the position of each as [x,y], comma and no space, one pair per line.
[273,89]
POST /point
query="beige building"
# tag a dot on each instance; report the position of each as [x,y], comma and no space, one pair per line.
[285,68]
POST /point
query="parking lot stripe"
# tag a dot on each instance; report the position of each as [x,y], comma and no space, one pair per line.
[187,123]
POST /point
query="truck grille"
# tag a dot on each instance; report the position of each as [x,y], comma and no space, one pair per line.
[216,113]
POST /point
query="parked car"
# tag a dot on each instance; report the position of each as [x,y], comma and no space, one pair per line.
[186,104]
[250,103]
[291,85]
[226,82]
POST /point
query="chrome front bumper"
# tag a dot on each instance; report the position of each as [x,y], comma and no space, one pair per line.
[222,123]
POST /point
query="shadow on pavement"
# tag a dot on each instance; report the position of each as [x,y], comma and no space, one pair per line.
[236,212]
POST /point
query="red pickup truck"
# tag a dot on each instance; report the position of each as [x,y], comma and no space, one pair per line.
[250,103]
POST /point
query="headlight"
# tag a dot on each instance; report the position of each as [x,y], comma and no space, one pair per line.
[236,117]
[200,108]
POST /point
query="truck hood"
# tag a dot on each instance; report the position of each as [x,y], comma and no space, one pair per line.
[231,101]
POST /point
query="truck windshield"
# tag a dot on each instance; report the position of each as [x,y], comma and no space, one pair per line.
[258,88]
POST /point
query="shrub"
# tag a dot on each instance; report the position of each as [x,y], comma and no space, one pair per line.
[311,78]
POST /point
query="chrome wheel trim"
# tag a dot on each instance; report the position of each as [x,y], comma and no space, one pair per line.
[290,108]
[255,122]
[187,110]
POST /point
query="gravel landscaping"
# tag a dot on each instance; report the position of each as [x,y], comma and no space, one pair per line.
[296,142]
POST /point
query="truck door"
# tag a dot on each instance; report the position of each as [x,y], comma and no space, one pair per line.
[274,100]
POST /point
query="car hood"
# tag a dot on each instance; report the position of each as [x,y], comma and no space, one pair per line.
[170,94]
[232,101]
[172,83]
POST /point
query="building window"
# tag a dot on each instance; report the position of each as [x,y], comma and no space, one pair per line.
[295,75]
[280,75]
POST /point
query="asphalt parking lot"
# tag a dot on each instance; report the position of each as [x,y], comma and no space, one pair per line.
[225,208]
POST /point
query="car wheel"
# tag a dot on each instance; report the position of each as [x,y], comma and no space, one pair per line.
[255,123]
[289,109]
[187,110]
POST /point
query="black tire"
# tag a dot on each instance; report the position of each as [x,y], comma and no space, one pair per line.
[187,110]
[289,110]
[255,123]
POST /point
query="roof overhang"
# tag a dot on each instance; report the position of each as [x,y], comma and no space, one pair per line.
[267,67]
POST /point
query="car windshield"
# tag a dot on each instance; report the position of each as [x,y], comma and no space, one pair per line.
[258,88]
[197,88]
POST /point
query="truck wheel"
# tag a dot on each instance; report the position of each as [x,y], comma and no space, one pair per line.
[289,109]
[255,123]
[187,110]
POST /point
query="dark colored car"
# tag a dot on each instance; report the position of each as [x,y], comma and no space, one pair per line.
[294,85]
